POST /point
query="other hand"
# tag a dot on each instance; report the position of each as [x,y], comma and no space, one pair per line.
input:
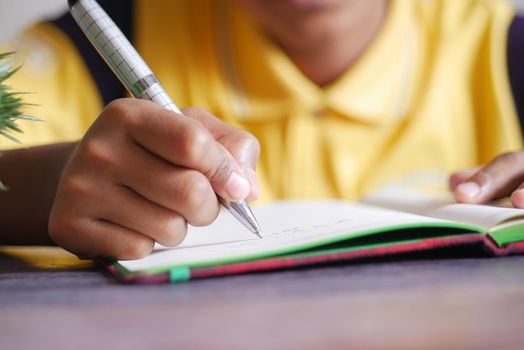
[502,177]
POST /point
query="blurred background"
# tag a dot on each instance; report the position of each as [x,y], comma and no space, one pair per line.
[16,14]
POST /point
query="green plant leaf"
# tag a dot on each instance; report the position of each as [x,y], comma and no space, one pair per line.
[11,103]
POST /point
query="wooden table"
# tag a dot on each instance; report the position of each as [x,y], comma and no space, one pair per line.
[451,303]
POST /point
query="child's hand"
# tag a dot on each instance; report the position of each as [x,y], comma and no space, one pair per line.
[504,176]
[142,173]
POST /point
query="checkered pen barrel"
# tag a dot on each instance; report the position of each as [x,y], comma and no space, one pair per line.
[119,54]
[136,76]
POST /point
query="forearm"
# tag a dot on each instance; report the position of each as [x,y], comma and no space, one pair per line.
[32,177]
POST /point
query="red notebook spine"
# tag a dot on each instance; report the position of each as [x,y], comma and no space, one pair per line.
[477,243]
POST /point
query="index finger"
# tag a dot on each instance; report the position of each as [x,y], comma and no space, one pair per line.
[184,142]
[495,180]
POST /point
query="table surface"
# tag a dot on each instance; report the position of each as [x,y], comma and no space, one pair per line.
[50,301]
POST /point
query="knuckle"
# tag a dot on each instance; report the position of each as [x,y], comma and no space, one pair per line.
[242,145]
[121,111]
[173,232]
[196,191]
[207,217]
[118,107]
[76,186]
[193,141]
[249,139]
[97,153]
[136,248]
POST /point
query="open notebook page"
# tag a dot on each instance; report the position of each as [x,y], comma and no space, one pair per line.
[441,204]
[284,225]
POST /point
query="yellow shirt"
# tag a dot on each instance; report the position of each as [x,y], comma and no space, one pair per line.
[431,93]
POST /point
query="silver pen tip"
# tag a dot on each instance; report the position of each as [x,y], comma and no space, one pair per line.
[244,214]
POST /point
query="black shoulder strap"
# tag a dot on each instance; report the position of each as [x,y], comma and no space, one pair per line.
[516,65]
[122,12]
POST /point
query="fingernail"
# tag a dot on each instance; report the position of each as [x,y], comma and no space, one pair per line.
[469,189]
[237,187]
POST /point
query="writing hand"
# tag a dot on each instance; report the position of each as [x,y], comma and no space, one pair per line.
[142,173]
[502,177]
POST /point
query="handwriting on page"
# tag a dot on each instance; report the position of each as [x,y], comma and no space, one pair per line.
[289,234]
[286,227]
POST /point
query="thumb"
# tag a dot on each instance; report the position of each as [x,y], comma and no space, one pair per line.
[460,177]
[228,178]
[242,146]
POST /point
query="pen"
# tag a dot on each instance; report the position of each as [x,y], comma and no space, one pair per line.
[136,76]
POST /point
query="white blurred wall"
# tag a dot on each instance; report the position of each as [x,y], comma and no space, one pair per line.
[16,14]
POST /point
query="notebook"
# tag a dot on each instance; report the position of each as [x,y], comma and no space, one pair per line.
[298,233]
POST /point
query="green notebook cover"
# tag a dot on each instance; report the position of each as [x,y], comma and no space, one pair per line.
[299,230]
